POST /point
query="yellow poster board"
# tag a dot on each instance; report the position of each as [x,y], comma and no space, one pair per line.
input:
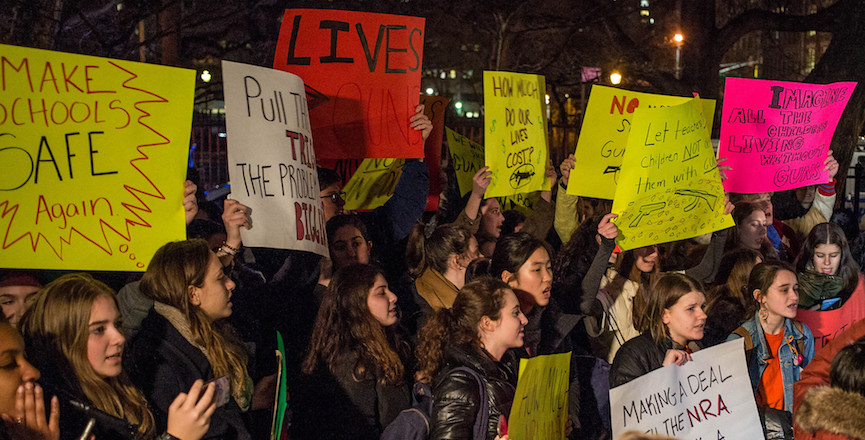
[523,202]
[600,148]
[540,408]
[372,184]
[669,188]
[467,157]
[515,132]
[92,159]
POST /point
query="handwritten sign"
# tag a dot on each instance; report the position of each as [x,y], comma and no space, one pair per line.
[92,159]
[709,397]
[373,183]
[362,73]
[776,135]
[271,159]
[669,188]
[524,202]
[825,325]
[610,113]
[515,132]
[540,408]
[467,157]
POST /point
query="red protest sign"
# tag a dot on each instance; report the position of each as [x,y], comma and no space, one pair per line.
[362,70]
[434,108]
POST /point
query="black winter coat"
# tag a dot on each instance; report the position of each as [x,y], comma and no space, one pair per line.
[641,355]
[163,364]
[457,395]
[343,406]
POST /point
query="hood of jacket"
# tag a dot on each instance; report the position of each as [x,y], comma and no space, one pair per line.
[833,410]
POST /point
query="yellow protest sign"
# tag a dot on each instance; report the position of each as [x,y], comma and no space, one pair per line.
[467,157]
[93,155]
[524,202]
[609,116]
[373,183]
[669,188]
[515,132]
[540,408]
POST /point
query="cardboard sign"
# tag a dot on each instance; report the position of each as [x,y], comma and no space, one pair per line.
[540,408]
[92,159]
[372,184]
[709,397]
[271,159]
[825,325]
[776,135]
[610,113]
[362,73]
[669,187]
[521,202]
[434,108]
[467,157]
[515,132]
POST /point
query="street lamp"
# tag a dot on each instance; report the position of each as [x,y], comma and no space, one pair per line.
[206,76]
[679,39]
[615,78]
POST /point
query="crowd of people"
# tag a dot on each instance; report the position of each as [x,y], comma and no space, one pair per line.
[442,304]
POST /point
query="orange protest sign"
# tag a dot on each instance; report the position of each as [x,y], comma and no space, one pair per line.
[362,77]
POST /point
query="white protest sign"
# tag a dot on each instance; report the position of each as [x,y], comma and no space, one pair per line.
[271,161]
[708,398]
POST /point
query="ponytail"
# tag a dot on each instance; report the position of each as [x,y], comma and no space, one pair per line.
[415,256]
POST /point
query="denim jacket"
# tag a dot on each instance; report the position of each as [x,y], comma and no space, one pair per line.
[757,356]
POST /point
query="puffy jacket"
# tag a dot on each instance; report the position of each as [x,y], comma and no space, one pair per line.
[641,355]
[455,404]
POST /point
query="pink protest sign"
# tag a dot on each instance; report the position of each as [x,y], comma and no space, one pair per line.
[775,134]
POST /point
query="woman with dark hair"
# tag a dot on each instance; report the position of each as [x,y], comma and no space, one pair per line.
[355,375]
[438,264]
[675,322]
[826,271]
[616,297]
[185,338]
[73,333]
[780,347]
[484,323]
[728,303]
[750,232]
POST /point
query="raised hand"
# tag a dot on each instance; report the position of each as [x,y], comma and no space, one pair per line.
[421,122]
[189,413]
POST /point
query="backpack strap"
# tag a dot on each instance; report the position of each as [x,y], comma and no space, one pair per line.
[800,343]
[746,335]
[483,416]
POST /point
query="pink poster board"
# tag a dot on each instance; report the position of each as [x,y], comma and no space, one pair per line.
[362,75]
[775,134]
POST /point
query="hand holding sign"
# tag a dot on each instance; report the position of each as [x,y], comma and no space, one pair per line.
[678,357]
[190,205]
[606,228]
[830,166]
[566,167]
[421,122]
[481,181]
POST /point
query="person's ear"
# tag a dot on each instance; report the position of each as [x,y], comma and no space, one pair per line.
[487,324]
[508,277]
[369,244]
[454,262]
[665,318]
[194,297]
[757,295]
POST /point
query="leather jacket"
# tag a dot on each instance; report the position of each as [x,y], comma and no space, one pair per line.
[642,355]
[456,393]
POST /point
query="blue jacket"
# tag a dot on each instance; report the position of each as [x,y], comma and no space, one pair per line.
[757,356]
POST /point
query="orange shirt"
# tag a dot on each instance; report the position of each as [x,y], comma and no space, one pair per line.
[771,390]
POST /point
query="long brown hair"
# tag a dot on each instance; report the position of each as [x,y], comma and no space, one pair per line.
[59,322]
[626,270]
[484,296]
[345,326]
[664,294]
[740,213]
[435,251]
[173,270]
[733,271]
[830,233]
